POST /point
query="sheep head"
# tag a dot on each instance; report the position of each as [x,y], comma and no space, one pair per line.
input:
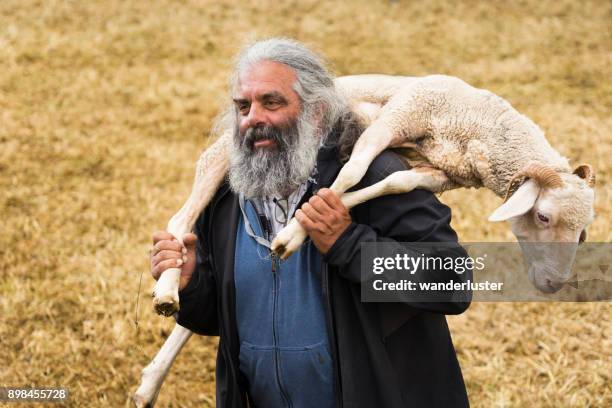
[549,212]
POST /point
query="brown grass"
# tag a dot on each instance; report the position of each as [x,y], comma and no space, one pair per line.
[105,106]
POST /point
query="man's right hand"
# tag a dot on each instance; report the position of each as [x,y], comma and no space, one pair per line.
[167,253]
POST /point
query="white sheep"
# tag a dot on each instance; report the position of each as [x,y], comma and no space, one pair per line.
[456,136]
[460,136]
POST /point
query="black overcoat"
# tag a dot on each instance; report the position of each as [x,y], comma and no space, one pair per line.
[385,354]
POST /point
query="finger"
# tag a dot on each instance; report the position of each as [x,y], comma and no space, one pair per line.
[327,214]
[331,199]
[190,240]
[311,225]
[304,221]
[166,254]
[162,235]
[320,205]
[164,265]
[166,244]
[312,213]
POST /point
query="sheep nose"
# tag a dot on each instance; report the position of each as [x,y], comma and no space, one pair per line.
[554,286]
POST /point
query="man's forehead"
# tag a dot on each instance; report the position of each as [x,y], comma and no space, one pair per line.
[266,77]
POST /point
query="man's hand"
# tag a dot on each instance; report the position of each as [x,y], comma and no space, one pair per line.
[167,253]
[324,218]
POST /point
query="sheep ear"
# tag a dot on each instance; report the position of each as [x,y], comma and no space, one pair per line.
[585,172]
[519,203]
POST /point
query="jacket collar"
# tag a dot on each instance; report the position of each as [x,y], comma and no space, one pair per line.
[328,164]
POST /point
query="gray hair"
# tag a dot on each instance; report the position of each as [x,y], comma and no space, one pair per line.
[314,84]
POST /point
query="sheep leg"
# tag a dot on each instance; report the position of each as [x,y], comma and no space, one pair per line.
[427,178]
[399,182]
[402,119]
[154,374]
[210,171]
[369,145]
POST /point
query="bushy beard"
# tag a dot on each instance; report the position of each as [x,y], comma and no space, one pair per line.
[276,171]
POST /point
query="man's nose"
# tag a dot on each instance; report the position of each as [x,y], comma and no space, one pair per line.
[256,116]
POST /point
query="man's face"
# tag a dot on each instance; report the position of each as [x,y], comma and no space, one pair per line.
[266,99]
[275,138]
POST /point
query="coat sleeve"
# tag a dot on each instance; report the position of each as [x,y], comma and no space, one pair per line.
[198,300]
[416,216]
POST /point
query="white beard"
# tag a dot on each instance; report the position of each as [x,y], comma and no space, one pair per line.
[279,171]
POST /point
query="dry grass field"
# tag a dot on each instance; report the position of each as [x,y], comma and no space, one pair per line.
[106,105]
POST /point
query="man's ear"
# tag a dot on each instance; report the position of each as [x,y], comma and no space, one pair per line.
[519,203]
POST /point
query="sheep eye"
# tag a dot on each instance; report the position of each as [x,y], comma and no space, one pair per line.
[543,218]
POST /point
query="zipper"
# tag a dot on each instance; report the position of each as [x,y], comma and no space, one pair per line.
[266,231]
[332,334]
[284,396]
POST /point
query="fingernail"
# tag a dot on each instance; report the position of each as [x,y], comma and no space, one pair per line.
[184,259]
[179,262]
[184,250]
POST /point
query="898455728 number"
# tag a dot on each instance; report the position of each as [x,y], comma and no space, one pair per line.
[42,394]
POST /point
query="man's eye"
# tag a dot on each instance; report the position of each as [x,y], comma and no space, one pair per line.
[243,108]
[272,104]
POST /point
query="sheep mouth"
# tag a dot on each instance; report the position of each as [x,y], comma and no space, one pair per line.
[551,287]
[540,277]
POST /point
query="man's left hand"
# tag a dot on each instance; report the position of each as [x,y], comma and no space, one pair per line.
[324,218]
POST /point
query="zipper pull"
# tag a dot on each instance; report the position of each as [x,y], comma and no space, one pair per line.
[274,260]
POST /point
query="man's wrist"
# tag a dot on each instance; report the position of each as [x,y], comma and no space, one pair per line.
[191,285]
[332,254]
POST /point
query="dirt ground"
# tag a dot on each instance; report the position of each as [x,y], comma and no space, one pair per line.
[105,106]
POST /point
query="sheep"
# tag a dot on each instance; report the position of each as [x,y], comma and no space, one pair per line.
[456,136]
[460,136]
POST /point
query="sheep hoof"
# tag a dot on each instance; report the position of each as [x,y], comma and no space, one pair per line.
[279,250]
[288,240]
[140,402]
[166,305]
[286,250]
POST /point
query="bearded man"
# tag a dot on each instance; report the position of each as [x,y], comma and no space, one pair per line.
[295,333]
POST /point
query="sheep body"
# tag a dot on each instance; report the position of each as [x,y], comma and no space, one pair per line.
[474,136]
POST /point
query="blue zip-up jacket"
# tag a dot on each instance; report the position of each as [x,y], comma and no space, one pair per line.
[284,349]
